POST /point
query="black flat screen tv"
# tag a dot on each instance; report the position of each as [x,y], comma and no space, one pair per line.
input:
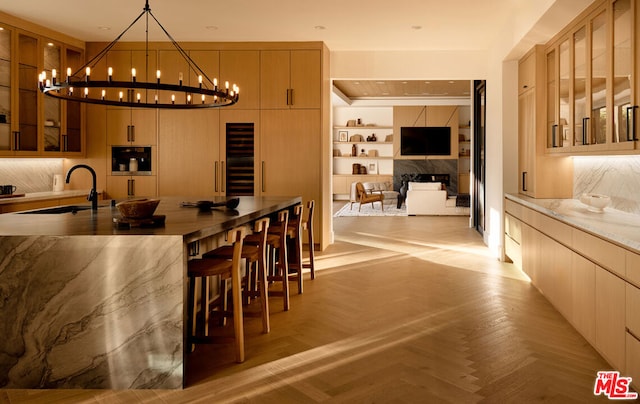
[425,141]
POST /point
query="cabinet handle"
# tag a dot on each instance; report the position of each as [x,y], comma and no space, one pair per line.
[262,177]
[289,96]
[131,187]
[65,143]
[215,176]
[16,140]
[131,133]
[222,179]
[524,181]
[632,135]
[554,135]
[585,125]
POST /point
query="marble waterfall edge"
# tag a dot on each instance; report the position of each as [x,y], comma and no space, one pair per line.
[74,308]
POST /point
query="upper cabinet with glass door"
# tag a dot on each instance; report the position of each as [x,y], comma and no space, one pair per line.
[62,132]
[6,100]
[591,82]
[32,125]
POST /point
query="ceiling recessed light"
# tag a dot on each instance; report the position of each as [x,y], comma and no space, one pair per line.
[103,28]
[50,44]
[211,27]
[320,27]
[416,27]
[427,82]
[379,82]
[356,82]
[404,82]
[451,82]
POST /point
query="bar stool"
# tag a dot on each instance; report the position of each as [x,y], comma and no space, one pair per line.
[226,269]
[308,226]
[278,263]
[294,238]
[254,252]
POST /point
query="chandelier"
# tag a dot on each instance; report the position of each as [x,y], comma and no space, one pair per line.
[81,87]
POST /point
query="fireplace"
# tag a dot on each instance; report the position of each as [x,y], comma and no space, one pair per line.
[446,171]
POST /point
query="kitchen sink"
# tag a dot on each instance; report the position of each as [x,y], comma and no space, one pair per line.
[73,209]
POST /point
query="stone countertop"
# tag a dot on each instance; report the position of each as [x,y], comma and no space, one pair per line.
[43,196]
[614,225]
[188,222]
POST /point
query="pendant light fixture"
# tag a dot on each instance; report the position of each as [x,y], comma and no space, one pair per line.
[80,86]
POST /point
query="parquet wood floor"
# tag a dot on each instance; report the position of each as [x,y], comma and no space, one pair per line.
[402,310]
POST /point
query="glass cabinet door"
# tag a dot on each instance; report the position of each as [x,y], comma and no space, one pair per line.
[623,111]
[599,66]
[52,106]
[72,137]
[552,106]
[5,89]
[564,92]
[580,118]
[27,136]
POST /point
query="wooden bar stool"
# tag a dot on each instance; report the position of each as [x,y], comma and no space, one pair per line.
[308,226]
[226,269]
[294,240]
[278,261]
[254,252]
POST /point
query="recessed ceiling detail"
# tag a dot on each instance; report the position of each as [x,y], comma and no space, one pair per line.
[359,89]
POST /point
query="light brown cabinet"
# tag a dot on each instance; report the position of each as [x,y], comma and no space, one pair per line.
[585,277]
[591,80]
[34,125]
[189,150]
[290,153]
[540,176]
[120,187]
[290,79]
[243,68]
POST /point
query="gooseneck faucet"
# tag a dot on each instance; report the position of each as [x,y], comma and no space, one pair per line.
[93,195]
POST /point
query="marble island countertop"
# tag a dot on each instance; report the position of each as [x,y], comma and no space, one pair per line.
[617,226]
[188,222]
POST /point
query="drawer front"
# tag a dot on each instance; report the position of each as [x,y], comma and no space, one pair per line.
[633,268]
[601,252]
[513,251]
[633,360]
[513,228]
[555,229]
[513,208]
[632,312]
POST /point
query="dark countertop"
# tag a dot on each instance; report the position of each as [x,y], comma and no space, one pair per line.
[190,223]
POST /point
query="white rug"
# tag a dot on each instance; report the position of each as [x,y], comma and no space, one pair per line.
[367,210]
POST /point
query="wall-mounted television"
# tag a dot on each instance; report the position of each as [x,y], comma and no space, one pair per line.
[425,141]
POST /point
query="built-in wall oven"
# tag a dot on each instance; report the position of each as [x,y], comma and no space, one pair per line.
[131,160]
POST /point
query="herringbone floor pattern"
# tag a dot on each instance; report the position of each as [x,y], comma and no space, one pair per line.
[403,310]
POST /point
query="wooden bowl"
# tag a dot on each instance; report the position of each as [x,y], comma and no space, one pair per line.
[138,208]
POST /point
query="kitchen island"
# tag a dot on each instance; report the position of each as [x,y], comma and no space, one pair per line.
[88,304]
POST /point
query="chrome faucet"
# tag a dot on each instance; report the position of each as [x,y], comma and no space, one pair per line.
[93,195]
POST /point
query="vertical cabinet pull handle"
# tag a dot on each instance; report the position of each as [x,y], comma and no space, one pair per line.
[554,135]
[289,96]
[131,133]
[524,181]
[222,178]
[585,131]
[65,143]
[634,134]
[262,177]
[16,140]
[215,176]
[131,187]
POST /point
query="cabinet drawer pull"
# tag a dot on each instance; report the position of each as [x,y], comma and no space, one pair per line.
[131,187]
[585,126]
[16,141]
[524,181]
[65,143]
[554,136]
[262,177]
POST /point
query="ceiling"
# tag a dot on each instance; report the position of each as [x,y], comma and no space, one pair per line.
[342,25]
[360,25]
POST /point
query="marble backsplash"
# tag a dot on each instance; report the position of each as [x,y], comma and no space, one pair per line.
[615,176]
[30,175]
